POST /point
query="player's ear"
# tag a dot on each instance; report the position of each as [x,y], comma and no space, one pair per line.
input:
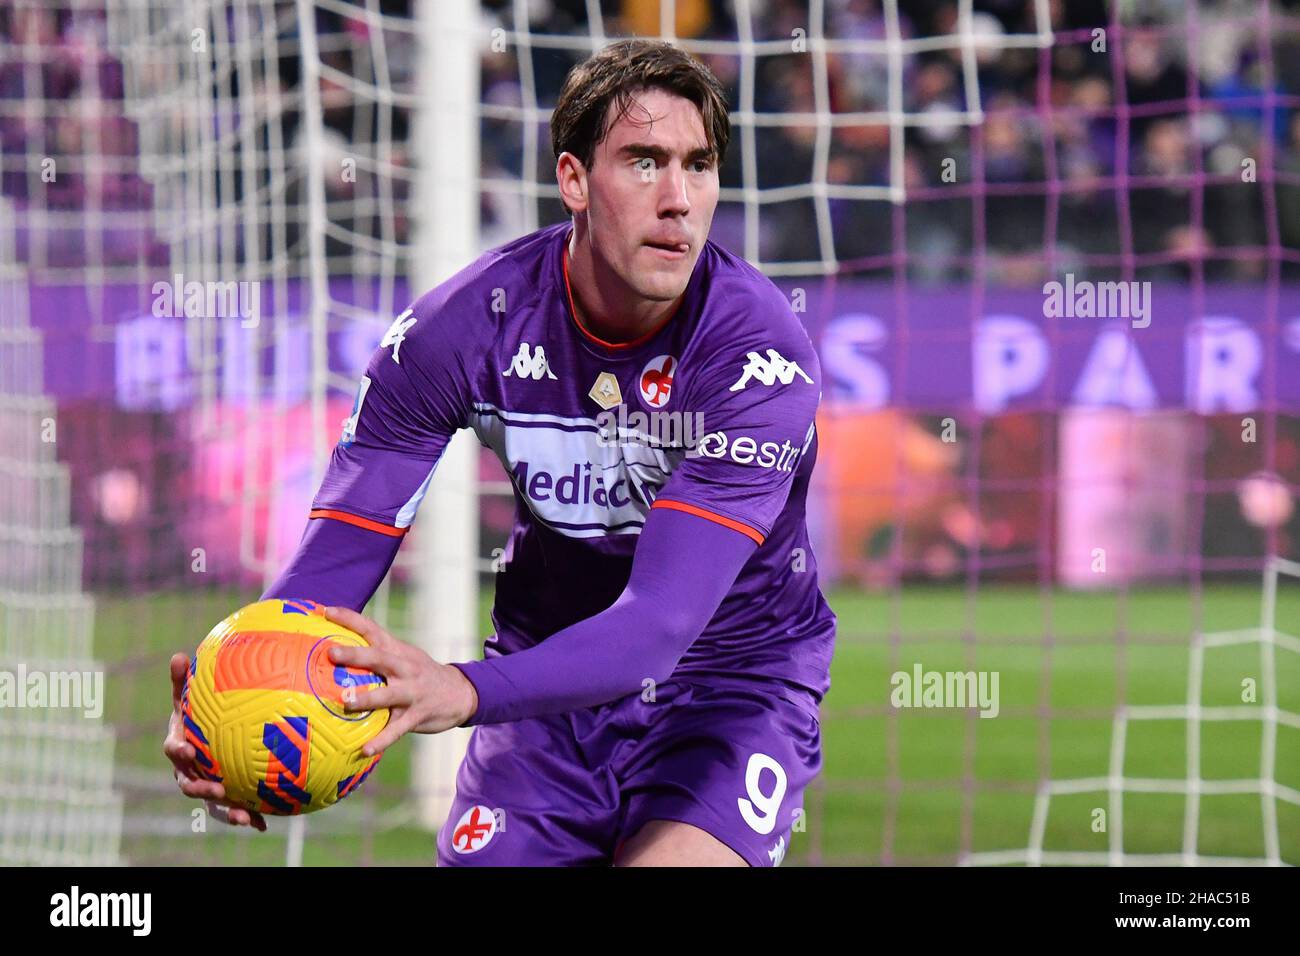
[571,175]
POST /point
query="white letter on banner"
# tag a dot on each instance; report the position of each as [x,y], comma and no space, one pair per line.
[1114,373]
[1009,358]
[854,377]
[150,371]
[1223,357]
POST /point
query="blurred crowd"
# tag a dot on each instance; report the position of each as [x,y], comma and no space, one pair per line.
[1164,140]
[66,146]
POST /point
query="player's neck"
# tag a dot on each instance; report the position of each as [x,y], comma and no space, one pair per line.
[605,307]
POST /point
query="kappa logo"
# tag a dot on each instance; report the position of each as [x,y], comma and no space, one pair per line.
[527,365]
[769,371]
[474,830]
[396,333]
[656,382]
[777,853]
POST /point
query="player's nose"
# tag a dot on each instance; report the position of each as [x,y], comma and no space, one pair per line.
[674,198]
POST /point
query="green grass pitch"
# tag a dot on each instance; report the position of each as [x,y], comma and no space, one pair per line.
[897,785]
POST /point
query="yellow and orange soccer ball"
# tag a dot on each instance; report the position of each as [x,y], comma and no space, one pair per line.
[263,709]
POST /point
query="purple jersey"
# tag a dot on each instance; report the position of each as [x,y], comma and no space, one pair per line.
[711,414]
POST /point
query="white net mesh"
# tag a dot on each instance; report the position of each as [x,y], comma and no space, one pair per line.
[1259,709]
[58,803]
[279,154]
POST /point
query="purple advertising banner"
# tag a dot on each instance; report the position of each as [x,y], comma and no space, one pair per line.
[1228,348]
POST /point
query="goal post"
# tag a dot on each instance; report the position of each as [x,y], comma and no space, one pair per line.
[442,616]
[445,152]
[305,188]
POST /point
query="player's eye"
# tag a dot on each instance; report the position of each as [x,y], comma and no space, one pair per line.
[645,164]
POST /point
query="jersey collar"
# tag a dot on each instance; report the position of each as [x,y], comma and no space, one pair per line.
[618,347]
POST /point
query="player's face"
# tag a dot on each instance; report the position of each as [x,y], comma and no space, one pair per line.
[652,191]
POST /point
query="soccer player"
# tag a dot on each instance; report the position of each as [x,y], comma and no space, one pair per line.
[650,695]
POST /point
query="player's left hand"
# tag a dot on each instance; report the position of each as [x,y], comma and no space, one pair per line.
[421,695]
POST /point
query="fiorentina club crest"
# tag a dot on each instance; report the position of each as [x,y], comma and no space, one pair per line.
[474,830]
[656,382]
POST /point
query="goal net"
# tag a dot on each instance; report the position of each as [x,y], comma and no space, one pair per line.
[1047,255]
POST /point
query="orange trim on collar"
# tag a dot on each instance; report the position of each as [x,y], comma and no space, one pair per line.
[731,523]
[573,313]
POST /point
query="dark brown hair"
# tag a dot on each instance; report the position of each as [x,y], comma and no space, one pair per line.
[582,118]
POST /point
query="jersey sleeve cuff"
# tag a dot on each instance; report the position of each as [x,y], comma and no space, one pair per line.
[493,691]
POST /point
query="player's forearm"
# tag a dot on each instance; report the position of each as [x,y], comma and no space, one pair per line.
[683,568]
[336,563]
[602,658]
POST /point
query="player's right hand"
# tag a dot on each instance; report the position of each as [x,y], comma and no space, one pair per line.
[182,756]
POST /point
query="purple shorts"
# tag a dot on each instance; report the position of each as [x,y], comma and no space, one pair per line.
[732,758]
